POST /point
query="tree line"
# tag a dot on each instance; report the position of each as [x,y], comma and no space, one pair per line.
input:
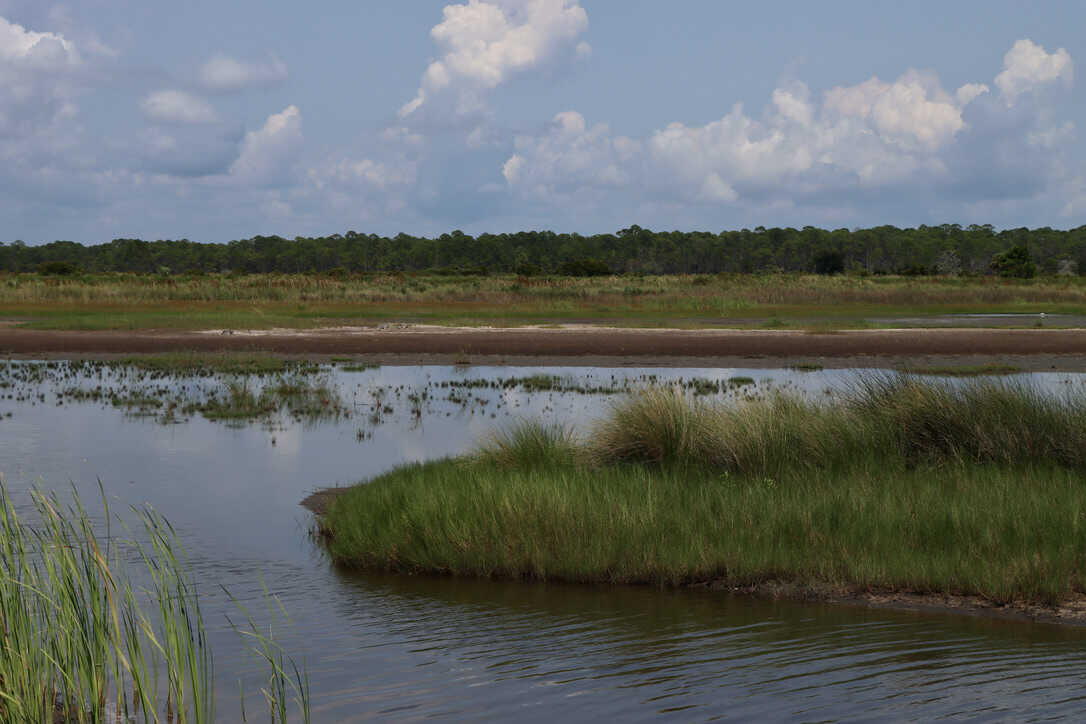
[944,249]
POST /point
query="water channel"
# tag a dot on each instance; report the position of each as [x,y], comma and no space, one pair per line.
[396,647]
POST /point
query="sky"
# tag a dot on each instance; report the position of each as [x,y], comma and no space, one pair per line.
[218,120]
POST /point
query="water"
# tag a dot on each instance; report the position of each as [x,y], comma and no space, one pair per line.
[987,319]
[400,647]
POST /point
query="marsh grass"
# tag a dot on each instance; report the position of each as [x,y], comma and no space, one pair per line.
[528,444]
[1003,533]
[891,418]
[817,303]
[299,397]
[974,487]
[965,370]
[202,364]
[82,641]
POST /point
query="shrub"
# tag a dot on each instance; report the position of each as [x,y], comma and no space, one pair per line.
[829,262]
[57,268]
[584,267]
[527,269]
[1016,262]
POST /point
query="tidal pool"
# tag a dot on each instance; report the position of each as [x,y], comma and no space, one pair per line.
[412,647]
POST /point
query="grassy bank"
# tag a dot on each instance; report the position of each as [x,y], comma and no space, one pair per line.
[976,489]
[134,301]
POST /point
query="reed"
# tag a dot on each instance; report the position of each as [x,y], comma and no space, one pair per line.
[82,641]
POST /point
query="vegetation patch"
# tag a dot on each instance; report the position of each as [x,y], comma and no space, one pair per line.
[86,638]
[206,364]
[965,370]
[771,300]
[967,488]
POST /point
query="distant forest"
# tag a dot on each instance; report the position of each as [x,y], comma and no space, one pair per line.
[946,249]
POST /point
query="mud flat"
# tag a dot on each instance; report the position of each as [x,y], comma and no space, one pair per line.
[1029,349]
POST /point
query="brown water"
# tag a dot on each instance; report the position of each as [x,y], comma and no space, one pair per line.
[380,646]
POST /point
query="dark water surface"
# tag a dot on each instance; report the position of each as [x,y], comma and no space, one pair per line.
[394,647]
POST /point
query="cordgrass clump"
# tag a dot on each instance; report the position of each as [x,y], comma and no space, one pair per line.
[1002,533]
[528,444]
[896,419]
[972,487]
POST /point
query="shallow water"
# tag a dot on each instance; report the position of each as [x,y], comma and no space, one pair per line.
[413,647]
[987,319]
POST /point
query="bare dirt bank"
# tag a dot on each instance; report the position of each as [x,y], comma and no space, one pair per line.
[1031,349]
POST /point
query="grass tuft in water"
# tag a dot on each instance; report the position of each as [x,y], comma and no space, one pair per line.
[82,642]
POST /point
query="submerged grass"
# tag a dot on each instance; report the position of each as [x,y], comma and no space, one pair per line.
[298,397]
[82,642]
[906,484]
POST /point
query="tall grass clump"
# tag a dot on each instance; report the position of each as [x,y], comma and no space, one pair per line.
[756,436]
[658,425]
[882,419]
[528,444]
[983,421]
[81,640]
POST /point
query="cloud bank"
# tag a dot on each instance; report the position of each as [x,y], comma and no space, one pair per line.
[1001,146]
[853,142]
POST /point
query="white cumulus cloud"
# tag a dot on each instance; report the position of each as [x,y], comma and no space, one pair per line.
[223,74]
[268,152]
[1027,66]
[483,42]
[42,50]
[176,106]
[863,139]
[362,173]
[39,80]
[912,111]
[569,156]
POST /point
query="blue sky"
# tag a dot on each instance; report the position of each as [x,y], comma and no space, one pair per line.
[221,120]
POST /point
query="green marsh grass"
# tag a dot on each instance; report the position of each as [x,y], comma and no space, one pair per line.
[81,640]
[805,301]
[996,532]
[992,368]
[528,443]
[206,364]
[976,488]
